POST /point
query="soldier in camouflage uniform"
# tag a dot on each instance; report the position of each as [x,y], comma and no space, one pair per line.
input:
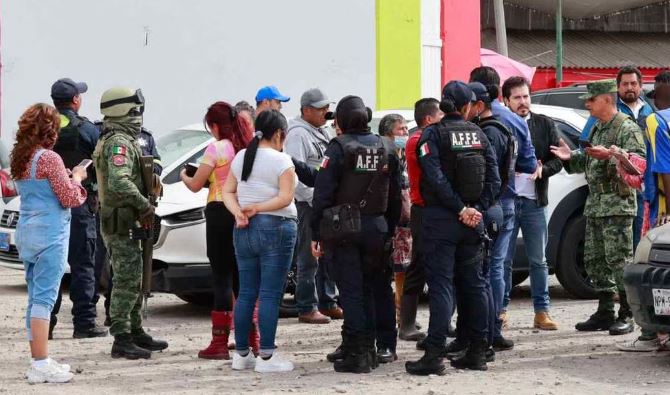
[610,206]
[123,205]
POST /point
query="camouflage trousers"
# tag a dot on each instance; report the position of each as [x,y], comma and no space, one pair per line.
[608,248]
[126,302]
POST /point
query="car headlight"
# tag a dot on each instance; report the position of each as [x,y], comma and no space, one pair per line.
[644,248]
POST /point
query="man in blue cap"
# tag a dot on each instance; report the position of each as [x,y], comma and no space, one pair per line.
[269,98]
[76,141]
[460,181]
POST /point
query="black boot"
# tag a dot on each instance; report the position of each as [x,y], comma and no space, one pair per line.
[455,348]
[451,330]
[408,330]
[603,318]
[357,358]
[124,347]
[430,363]
[490,355]
[142,339]
[52,325]
[502,344]
[624,322]
[369,345]
[386,355]
[340,351]
[94,331]
[474,358]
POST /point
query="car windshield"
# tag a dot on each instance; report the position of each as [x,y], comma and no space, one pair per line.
[174,145]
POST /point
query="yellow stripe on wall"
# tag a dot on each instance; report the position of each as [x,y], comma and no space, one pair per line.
[398,53]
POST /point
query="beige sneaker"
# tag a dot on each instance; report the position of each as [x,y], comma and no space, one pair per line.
[49,373]
[544,322]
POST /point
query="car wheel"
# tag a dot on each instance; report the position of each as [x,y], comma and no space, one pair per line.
[518,278]
[204,299]
[570,270]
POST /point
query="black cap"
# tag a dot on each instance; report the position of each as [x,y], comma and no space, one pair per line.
[459,93]
[66,89]
[480,91]
[352,114]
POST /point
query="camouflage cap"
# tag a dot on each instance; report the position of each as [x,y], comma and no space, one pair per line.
[601,87]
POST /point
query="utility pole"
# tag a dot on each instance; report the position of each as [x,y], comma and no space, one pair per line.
[559,42]
[501,30]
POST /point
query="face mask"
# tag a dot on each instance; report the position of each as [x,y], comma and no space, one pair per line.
[400,141]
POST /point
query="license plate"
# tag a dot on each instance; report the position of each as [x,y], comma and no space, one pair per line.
[661,301]
[4,242]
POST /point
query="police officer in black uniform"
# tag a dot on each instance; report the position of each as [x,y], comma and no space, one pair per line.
[76,141]
[359,170]
[459,183]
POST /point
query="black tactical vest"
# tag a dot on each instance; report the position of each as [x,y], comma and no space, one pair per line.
[462,146]
[365,176]
[68,146]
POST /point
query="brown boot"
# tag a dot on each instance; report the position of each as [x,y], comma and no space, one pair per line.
[313,317]
[505,320]
[544,322]
[218,348]
[254,334]
[335,313]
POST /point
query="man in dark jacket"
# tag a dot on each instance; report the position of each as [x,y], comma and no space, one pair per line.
[531,200]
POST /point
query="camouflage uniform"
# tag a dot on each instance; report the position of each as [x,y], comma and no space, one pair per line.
[610,206]
[122,198]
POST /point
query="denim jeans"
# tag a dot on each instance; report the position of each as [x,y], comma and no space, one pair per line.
[639,219]
[264,250]
[532,220]
[313,287]
[497,260]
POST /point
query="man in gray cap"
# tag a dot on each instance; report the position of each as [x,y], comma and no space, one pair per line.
[306,141]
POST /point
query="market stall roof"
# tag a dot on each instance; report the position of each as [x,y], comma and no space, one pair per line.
[585,49]
[577,9]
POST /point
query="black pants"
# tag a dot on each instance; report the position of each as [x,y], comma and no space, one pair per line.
[415,278]
[364,280]
[221,253]
[81,258]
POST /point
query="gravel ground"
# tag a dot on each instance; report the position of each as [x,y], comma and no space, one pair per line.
[560,362]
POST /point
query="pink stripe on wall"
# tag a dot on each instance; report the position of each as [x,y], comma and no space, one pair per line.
[461,39]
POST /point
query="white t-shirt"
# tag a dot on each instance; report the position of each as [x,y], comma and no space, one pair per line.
[263,181]
[524,186]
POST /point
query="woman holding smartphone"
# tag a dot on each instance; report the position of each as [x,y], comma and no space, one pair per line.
[43,231]
[232,133]
[259,193]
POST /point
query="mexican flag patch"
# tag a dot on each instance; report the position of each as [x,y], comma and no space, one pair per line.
[324,162]
[118,150]
[423,150]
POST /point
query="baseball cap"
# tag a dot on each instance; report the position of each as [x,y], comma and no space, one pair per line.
[601,87]
[314,98]
[65,88]
[270,92]
[458,92]
[480,91]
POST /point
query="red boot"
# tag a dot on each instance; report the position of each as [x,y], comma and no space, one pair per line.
[218,348]
[254,335]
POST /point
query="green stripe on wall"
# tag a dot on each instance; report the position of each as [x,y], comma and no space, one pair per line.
[398,53]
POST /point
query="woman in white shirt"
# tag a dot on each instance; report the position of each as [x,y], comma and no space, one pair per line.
[259,193]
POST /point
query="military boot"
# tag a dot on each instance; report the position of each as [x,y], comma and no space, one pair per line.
[455,348]
[340,351]
[142,339]
[603,318]
[124,347]
[429,363]
[624,322]
[474,358]
[357,358]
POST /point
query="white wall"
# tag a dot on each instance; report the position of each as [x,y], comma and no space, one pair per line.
[185,54]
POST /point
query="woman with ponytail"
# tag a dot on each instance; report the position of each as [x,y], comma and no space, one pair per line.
[232,133]
[259,193]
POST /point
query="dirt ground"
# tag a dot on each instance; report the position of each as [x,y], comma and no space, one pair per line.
[561,362]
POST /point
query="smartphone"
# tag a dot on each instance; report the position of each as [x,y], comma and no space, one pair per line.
[585,144]
[85,163]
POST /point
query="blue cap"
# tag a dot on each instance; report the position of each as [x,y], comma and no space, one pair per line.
[481,93]
[270,92]
[459,93]
[66,89]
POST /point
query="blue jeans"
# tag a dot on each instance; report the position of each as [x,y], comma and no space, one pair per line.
[532,220]
[313,287]
[639,219]
[264,250]
[497,261]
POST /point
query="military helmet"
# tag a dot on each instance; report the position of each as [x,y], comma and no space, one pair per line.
[121,101]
